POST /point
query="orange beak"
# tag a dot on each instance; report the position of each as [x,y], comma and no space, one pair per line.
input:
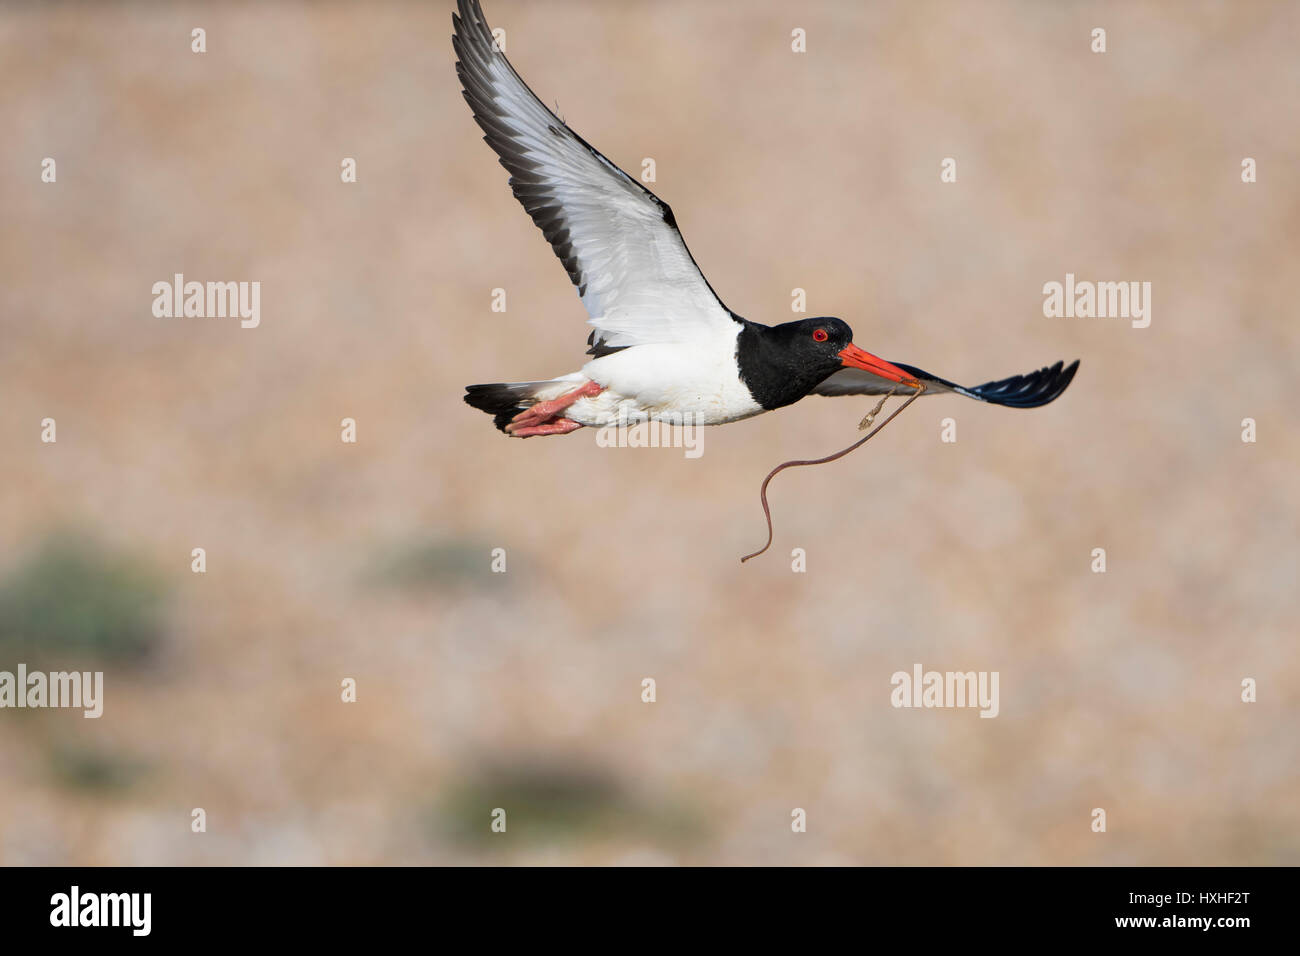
[854,357]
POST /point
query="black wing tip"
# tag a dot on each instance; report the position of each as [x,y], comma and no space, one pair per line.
[1029,391]
[470,35]
[470,10]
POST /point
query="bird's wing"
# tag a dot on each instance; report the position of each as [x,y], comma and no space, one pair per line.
[1018,391]
[618,241]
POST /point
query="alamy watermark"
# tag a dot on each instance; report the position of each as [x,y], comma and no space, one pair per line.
[1102,300]
[212,300]
[129,910]
[946,689]
[667,430]
[84,689]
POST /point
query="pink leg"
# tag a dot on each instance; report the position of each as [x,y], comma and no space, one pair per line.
[556,426]
[543,412]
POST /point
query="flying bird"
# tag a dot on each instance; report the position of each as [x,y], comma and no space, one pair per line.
[663,347]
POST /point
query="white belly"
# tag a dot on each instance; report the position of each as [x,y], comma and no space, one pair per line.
[673,383]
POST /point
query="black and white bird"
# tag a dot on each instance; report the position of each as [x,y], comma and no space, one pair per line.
[663,346]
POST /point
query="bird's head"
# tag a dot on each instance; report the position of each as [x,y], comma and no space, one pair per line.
[824,345]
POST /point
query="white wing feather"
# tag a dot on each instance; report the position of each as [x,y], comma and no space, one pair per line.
[618,241]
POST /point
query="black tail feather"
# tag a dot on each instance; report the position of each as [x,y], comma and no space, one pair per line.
[502,400]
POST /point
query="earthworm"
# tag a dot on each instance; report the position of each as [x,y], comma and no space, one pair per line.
[762,493]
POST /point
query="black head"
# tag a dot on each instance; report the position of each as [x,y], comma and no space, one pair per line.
[814,345]
[781,364]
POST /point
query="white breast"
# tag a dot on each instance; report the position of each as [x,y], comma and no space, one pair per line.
[697,383]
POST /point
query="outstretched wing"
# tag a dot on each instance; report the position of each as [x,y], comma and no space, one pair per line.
[1018,391]
[618,241]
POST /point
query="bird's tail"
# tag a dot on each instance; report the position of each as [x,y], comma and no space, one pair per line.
[504,400]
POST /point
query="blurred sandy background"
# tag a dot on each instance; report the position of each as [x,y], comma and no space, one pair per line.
[522,690]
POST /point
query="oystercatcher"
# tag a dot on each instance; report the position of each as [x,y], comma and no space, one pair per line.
[663,345]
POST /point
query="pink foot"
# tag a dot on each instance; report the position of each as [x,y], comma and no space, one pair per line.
[556,426]
[544,412]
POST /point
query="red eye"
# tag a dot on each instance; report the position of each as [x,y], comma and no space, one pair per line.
[820,335]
